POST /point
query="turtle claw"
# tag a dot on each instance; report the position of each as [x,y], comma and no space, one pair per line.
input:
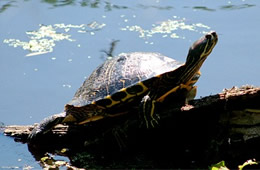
[152,123]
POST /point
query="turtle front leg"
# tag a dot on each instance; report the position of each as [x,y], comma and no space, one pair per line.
[148,106]
[147,111]
[180,94]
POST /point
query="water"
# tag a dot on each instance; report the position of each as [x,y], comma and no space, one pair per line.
[37,83]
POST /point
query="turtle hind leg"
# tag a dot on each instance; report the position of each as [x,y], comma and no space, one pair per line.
[45,126]
[147,112]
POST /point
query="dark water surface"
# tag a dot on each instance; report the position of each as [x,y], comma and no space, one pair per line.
[48,48]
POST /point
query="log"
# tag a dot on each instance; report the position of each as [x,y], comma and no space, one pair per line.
[225,126]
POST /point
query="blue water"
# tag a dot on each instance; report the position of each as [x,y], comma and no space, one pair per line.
[33,87]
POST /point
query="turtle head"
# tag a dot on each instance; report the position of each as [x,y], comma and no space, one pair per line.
[198,53]
[200,49]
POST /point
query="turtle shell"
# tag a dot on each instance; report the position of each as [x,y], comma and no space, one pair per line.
[124,72]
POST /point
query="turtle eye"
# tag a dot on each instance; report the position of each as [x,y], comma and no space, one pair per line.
[214,34]
[208,36]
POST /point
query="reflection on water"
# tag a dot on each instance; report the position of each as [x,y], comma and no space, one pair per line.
[58,3]
[204,8]
[108,6]
[223,7]
[235,7]
[156,7]
[6,5]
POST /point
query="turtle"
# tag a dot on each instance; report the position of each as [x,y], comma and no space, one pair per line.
[136,79]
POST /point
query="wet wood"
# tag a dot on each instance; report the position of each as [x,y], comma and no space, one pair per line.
[18,130]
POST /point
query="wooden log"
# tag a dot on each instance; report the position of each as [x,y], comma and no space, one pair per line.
[225,126]
[242,103]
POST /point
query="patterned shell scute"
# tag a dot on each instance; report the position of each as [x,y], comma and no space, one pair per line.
[122,71]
